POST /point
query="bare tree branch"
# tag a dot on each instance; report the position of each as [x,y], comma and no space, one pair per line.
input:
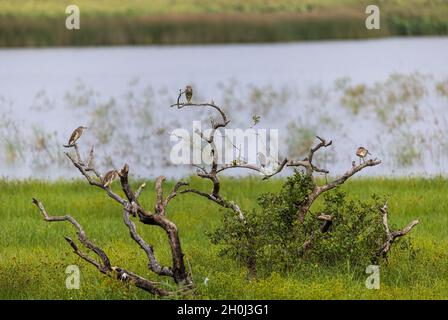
[84,256]
[213,173]
[104,266]
[139,190]
[174,192]
[307,163]
[277,170]
[131,206]
[81,167]
[318,190]
[392,236]
[153,264]
[80,231]
[159,196]
[225,121]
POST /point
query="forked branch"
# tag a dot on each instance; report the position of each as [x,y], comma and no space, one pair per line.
[311,168]
[391,236]
[307,162]
[103,265]
[215,169]
[131,207]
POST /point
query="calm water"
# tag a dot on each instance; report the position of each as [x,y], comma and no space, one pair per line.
[36,86]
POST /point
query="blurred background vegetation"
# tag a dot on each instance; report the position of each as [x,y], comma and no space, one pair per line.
[114,22]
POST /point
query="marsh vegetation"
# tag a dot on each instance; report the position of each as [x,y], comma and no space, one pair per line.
[30,245]
[401,119]
[219,21]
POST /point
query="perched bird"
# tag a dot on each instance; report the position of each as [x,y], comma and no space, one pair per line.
[75,136]
[110,177]
[189,93]
[262,159]
[362,152]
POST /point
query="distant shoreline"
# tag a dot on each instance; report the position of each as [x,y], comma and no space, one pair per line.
[214,28]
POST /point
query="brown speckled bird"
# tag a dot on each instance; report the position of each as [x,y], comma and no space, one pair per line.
[262,159]
[362,152]
[75,136]
[110,177]
[188,93]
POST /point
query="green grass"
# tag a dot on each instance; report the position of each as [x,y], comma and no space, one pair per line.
[114,22]
[163,7]
[34,255]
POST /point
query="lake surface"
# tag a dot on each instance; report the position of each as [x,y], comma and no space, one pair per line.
[302,89]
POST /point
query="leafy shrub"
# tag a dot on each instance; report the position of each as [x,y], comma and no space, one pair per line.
[276,240]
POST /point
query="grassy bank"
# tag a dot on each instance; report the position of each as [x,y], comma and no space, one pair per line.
[32,23]
[33,254]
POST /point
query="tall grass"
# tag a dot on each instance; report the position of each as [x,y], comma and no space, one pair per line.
[34,255]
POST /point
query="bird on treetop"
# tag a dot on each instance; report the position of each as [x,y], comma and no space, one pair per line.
[362,152]
[188,93]
[75,136]
[110,177]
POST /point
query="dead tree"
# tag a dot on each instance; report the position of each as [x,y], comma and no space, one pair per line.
[311,169]
[318,190]
[391,236]
[215,169]
[131,207]
[307,163]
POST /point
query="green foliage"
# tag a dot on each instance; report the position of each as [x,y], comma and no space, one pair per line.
[356,234]
[276,237]
[34,255]
[267,233]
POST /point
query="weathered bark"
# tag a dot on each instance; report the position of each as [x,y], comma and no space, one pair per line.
[327,222]
[318,190]
[104,265]
[311,168]
[132,207]
[391,236]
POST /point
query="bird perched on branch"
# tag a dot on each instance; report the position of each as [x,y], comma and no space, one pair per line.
[262,159]
[76,134]
[362,152]
[188,93]
[110,177]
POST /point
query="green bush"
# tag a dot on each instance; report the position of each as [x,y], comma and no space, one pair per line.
[273,237]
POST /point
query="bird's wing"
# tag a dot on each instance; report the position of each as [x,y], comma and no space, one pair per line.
[74,136]
[107,176]
[262,159]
